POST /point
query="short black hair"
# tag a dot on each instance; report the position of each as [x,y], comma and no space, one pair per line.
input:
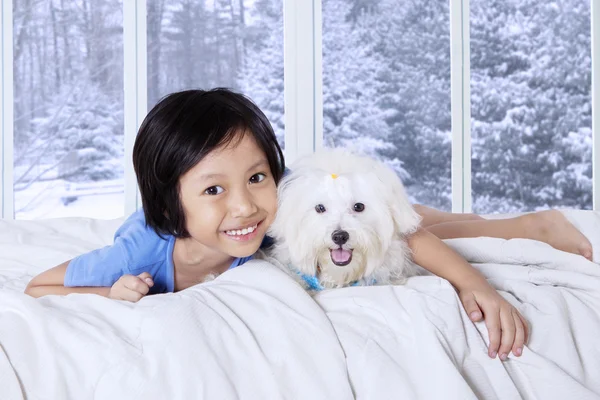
[179,131]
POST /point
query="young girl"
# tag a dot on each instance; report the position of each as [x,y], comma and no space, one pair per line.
[207,165]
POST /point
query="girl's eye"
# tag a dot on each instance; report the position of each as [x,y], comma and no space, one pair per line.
[359,207]
[320,208]
[257,177]
[214,190]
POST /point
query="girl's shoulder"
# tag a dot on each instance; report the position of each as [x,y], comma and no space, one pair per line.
[137,235]
[135,223]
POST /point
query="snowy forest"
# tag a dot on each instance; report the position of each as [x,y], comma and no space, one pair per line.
[386,91]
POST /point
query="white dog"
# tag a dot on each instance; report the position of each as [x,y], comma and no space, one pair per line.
[343,220]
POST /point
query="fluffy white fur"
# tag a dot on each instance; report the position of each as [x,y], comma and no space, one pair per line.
[376,236]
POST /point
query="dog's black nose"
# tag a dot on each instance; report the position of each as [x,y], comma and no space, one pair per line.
[340,237]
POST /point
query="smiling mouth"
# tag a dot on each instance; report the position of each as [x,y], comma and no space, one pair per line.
[341,257]
[243,231]
[243,234]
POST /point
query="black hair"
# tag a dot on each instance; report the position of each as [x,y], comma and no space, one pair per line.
[179,132]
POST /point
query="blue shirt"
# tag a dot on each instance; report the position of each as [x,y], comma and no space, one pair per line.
[136,249]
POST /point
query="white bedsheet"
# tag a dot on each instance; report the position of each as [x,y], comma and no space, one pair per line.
[253,333]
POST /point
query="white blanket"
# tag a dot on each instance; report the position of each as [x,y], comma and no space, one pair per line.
[254,334]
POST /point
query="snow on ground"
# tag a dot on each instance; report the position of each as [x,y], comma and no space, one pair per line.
[44,200]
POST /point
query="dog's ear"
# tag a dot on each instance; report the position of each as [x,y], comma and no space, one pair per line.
[292,246]
[406,219]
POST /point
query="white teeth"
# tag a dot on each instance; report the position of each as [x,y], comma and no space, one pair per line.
[240,232]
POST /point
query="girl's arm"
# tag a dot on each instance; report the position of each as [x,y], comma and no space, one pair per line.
[127,287]
[105,271]
[507,328]
[52,282]
[438,258]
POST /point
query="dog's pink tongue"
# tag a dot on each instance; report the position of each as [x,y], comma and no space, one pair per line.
[340,255]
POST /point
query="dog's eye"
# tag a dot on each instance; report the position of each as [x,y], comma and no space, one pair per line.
[320,208]
[359,207]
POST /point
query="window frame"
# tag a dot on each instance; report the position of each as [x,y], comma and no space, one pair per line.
[595,32]
[303,93]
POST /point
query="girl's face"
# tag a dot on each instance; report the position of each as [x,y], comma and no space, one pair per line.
[230,198]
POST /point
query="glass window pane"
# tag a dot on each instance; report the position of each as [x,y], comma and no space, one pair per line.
[68,87]
[531,105]
[386,88]
[202,44]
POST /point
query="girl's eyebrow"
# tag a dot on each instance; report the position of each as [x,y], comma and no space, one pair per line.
[206,177]
[258,164]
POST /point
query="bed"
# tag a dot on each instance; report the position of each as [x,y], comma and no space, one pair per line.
[253,333]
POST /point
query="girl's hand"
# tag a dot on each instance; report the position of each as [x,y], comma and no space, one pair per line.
[506,326]
[131,288]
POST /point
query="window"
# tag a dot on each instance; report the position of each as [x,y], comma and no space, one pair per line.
[220,43]
[531,105]
[68,108]
[370,75]
[386,88]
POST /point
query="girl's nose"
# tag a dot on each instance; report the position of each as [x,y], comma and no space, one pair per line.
[242,205]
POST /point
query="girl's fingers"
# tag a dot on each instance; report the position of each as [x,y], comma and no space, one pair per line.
[525,327]
[146,277]
[517,348]
[492,321]
[472,308]
[137,284]
[508,332]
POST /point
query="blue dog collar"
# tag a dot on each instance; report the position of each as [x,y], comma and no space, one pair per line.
[313,282]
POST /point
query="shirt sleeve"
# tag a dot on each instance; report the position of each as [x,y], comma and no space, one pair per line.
[136,249]
[102,267]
